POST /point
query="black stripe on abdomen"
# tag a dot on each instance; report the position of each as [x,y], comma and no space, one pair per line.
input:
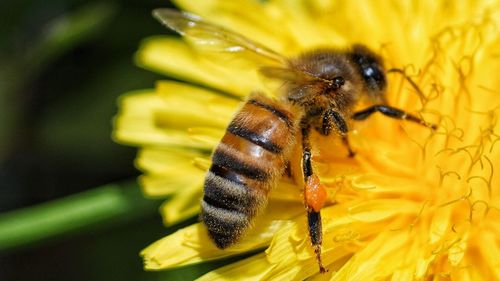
[227,209]
[228,167]
[224,226]
[218,203]
[225,194]
[226,173]
[276,112]
[260,140]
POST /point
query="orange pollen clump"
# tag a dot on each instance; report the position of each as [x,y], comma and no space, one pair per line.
[315,193]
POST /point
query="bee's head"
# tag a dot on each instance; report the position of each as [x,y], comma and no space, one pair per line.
[370,67]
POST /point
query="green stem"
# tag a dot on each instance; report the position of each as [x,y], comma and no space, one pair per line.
[109,204]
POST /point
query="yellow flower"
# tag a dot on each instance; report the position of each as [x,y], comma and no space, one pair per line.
[412,205]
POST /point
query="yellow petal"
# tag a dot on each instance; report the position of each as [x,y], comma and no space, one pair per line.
[173,57]
[489,247]
[379,259]
[168,170]
[383,186]
[207,136]
[136,124]
[189,106]
[192,244]
[245,17]
[307,29]
[184,204]
[292,258]
[253,268]
[440,224]
[381,209]
[169,161]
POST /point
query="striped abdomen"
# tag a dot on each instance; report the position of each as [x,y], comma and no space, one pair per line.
[250,158]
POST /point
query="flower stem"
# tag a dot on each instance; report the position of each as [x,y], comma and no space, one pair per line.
[106,205]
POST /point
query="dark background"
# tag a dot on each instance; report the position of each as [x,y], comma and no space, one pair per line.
[58,91]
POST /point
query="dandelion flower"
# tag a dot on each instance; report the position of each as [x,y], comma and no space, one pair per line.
[412,205]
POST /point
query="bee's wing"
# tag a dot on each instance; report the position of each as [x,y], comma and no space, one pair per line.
[286,74]
[212,37]
[300,84]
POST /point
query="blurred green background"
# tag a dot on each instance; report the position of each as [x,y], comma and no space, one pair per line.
[63,63]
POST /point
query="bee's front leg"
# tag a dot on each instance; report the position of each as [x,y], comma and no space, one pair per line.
[392,112]
[334,118]
[314,197]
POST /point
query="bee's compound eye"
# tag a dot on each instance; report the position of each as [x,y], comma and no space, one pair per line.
[369,72]
[370,67]
[374,76]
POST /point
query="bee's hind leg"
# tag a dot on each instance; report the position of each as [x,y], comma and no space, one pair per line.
[314,197]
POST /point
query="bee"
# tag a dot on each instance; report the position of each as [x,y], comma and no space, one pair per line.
[320,90]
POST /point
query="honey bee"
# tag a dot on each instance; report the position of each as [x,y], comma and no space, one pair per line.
[320,89]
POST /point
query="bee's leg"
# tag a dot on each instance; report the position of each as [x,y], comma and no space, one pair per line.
[332,117]
[393,113]
[314,196]
[288,170]
[345,141]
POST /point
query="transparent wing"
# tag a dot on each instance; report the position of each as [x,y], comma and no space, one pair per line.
[212,37]
[298,84]
[286,74]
